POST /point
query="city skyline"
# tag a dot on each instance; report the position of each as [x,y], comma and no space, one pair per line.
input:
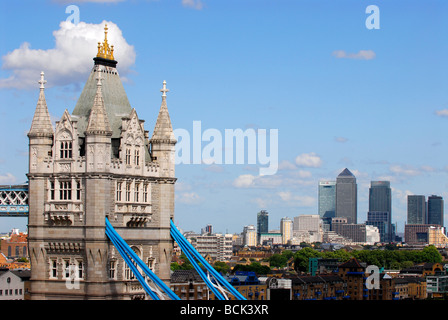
[340,94]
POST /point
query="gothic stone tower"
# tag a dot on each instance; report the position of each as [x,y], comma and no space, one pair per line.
[98,162]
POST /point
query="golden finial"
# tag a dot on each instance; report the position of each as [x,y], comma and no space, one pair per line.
[104,51]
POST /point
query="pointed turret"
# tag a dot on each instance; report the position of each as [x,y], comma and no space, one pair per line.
[41,125]
[163,140]
[98,121]
[163,131]
[41,133]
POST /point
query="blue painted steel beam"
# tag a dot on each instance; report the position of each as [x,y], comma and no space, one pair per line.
[204,277]
[187,247]
[120,243]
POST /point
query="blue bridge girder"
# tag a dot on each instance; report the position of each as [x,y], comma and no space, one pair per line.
[14,200]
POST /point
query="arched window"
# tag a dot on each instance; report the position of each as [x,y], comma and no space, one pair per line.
[66,150]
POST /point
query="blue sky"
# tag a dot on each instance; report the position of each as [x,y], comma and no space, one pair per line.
[341,95]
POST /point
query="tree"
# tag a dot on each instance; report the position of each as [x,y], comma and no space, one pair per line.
[254,266]
[301,258]
[221,267]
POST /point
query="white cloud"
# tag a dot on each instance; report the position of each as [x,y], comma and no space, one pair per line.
[340,139]
[286,165]
[442,113]
[195,4]
[70,61]
[189,198]
[407,171]
[262,202]
[244,181]
[308,160]
[7,178]
[297,200]
[400,195]
[361,55]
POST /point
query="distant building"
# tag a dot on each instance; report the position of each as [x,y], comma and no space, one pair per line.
[416,209]
[307,228]
[262,223]
[435,210]
[380,209]
[357,233]
[381,220]
[207,229]
[416,234]
[216,246]
[346,196]
[307,222]
[327,201]
[249,236]
[286,229]
[15,246]
[270,238]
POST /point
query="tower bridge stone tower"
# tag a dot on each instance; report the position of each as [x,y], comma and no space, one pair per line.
[98,162]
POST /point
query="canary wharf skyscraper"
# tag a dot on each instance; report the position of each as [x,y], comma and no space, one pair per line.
[416,209]
[380,209]
[327,202]
[346,196]
[435,210]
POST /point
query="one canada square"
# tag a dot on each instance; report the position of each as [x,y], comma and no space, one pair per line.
[346,196]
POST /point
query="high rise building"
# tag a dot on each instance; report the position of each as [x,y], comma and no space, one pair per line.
[262,223]
[216,246]
[249,236]
[207,229]
[346,196]
[416,209]
[380,196]
[380,209]
[98,163]
[435,210]
[286,228]
[381,220]
[327,201]
[307,222]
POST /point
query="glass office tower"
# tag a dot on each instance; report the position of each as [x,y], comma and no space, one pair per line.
[416,209]
[327,202]
[380,209]
[435,210]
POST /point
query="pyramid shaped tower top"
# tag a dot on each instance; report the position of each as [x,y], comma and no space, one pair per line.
[115,100]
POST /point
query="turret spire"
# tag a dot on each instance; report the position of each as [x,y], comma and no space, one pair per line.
[98,121]
[41,125]
[163,131]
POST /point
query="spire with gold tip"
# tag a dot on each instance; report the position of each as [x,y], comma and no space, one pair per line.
[104,50]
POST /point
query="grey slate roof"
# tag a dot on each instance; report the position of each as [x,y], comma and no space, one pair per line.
[114,96]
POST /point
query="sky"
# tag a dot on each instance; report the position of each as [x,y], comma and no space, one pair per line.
[325,84]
